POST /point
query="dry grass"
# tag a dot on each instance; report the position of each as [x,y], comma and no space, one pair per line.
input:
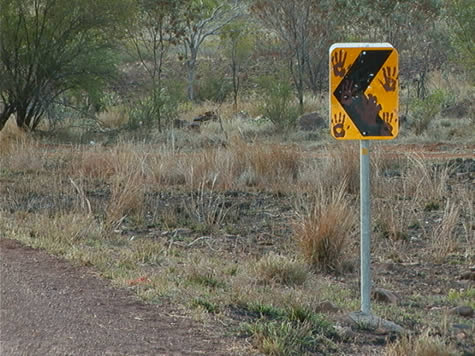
[444,239]
[344,167]
[207,207]
[114,117]
[424,183]
[324,227]
[281,269]
[423,345]
[392,219]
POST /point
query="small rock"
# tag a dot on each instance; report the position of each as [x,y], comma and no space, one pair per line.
[461,327]
[311,121]
[385,296]
[469,275]
[372,322]
[327,307]
[345,333]
[207,116]
[463,310]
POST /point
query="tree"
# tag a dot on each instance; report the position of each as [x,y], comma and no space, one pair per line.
[159,25]
[305,26]
[48,47]
[204,18]
[238,43]
[414,28]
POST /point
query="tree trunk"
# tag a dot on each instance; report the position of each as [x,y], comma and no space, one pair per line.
[191,67]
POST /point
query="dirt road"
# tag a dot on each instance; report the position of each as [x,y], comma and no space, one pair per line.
[49,307]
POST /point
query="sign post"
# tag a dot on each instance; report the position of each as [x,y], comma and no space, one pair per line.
[364,106]
[365,227]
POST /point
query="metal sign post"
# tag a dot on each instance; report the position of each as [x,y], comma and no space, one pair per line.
[365,227]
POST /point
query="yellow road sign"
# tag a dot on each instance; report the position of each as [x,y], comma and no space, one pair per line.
[364,91]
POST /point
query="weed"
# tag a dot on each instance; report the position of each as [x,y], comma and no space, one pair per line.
[279,338]
[297,331]
[203,275]
[425,109]
[205,304]
[431,206]
[465,296]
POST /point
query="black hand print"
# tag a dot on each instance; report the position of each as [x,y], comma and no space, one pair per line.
[347,92]
[390,79]
[338,123]
[389,122]
[338,62]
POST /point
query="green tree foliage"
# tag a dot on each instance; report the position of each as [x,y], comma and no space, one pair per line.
[461,15]
[48,47]
[277,104]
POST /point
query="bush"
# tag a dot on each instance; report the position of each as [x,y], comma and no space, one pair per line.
[278,104]
[213,85]
[425,109]
[159,108]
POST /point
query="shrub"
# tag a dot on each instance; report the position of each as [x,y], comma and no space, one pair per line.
[213,85]
[159,108]
[425,109]
[278,104]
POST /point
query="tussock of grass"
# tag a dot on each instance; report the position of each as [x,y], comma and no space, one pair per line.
[444,239]
[423,345]
[294,331]
[323,228]
[114,117]
[274,268]
[423,182]
[10,136]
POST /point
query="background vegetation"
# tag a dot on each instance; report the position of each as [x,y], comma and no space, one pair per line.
[73,60]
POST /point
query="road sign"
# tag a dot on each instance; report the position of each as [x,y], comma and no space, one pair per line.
[364,91]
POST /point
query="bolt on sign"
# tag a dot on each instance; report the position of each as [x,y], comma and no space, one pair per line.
[364,91]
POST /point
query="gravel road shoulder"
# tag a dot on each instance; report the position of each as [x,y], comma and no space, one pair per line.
[50,307]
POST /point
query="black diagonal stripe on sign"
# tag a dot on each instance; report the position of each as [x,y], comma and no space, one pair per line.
[359,77]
